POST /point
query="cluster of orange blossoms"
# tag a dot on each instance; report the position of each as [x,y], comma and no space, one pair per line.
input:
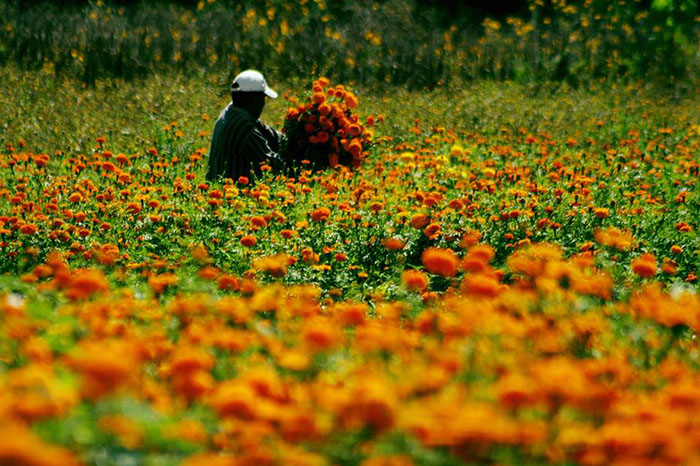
[483,366]
[324,131]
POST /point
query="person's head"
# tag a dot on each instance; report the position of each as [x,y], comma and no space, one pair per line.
[251,102]
[248,91]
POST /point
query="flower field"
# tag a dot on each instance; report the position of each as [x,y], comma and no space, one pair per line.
[510,277]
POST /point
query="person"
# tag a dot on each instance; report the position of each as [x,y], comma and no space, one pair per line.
[241,143]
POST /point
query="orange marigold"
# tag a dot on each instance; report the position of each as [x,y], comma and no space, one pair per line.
[320,334]
[644,265]
[229,282]
[432,231]
[393,244]
[616,238]
[83,283]
[419,221]
[249,241]
[481,284]
[104,364]
[19,446]
[274,265]
[321,214]
[414,280]
[441,261]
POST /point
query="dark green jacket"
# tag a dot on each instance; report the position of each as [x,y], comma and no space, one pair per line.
[240,144]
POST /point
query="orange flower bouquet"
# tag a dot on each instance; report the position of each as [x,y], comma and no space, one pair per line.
[324,132]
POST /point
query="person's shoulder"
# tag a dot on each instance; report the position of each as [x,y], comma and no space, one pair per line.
[235,119]
[224,112]
[238,115]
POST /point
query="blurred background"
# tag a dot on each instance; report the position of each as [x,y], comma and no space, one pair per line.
[413,43]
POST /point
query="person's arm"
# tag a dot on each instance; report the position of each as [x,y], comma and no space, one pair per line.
[274,137]
[262,148]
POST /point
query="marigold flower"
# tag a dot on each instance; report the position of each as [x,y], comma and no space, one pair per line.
[28,229]
[350,100]
[481,285]
[414,280]
[419,221]
[189,430]
[684,227]
[441,261]
[478,258]
[533,260]
[19,446]
[188,359]
[351,313]
[160,282]
[258,222]
[228,282]
[294,360]
[372,402]
[432,231]
[321,214]
[613,237]
[194,385]
[601,212]
[208,273]
[249,241]
[516,390]
[83,283]
[644,265]
[104,364]
[320,334]
[669,267]
[274,265]
[234,398]
[393,244]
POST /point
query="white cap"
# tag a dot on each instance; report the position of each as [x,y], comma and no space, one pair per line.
[251,81]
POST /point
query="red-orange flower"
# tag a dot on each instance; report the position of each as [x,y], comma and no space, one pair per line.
[644,265]
[321,214]
[19,446]
[393,244]
[83,283]
[481,284]
[249,241]
[441,261]
[415,280]
[432,231]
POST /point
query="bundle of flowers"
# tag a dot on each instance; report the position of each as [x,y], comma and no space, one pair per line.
[324,131]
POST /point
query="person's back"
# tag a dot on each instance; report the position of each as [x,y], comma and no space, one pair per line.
[241,143]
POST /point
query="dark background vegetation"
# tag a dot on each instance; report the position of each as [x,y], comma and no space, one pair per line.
[472,9]
[419,43]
